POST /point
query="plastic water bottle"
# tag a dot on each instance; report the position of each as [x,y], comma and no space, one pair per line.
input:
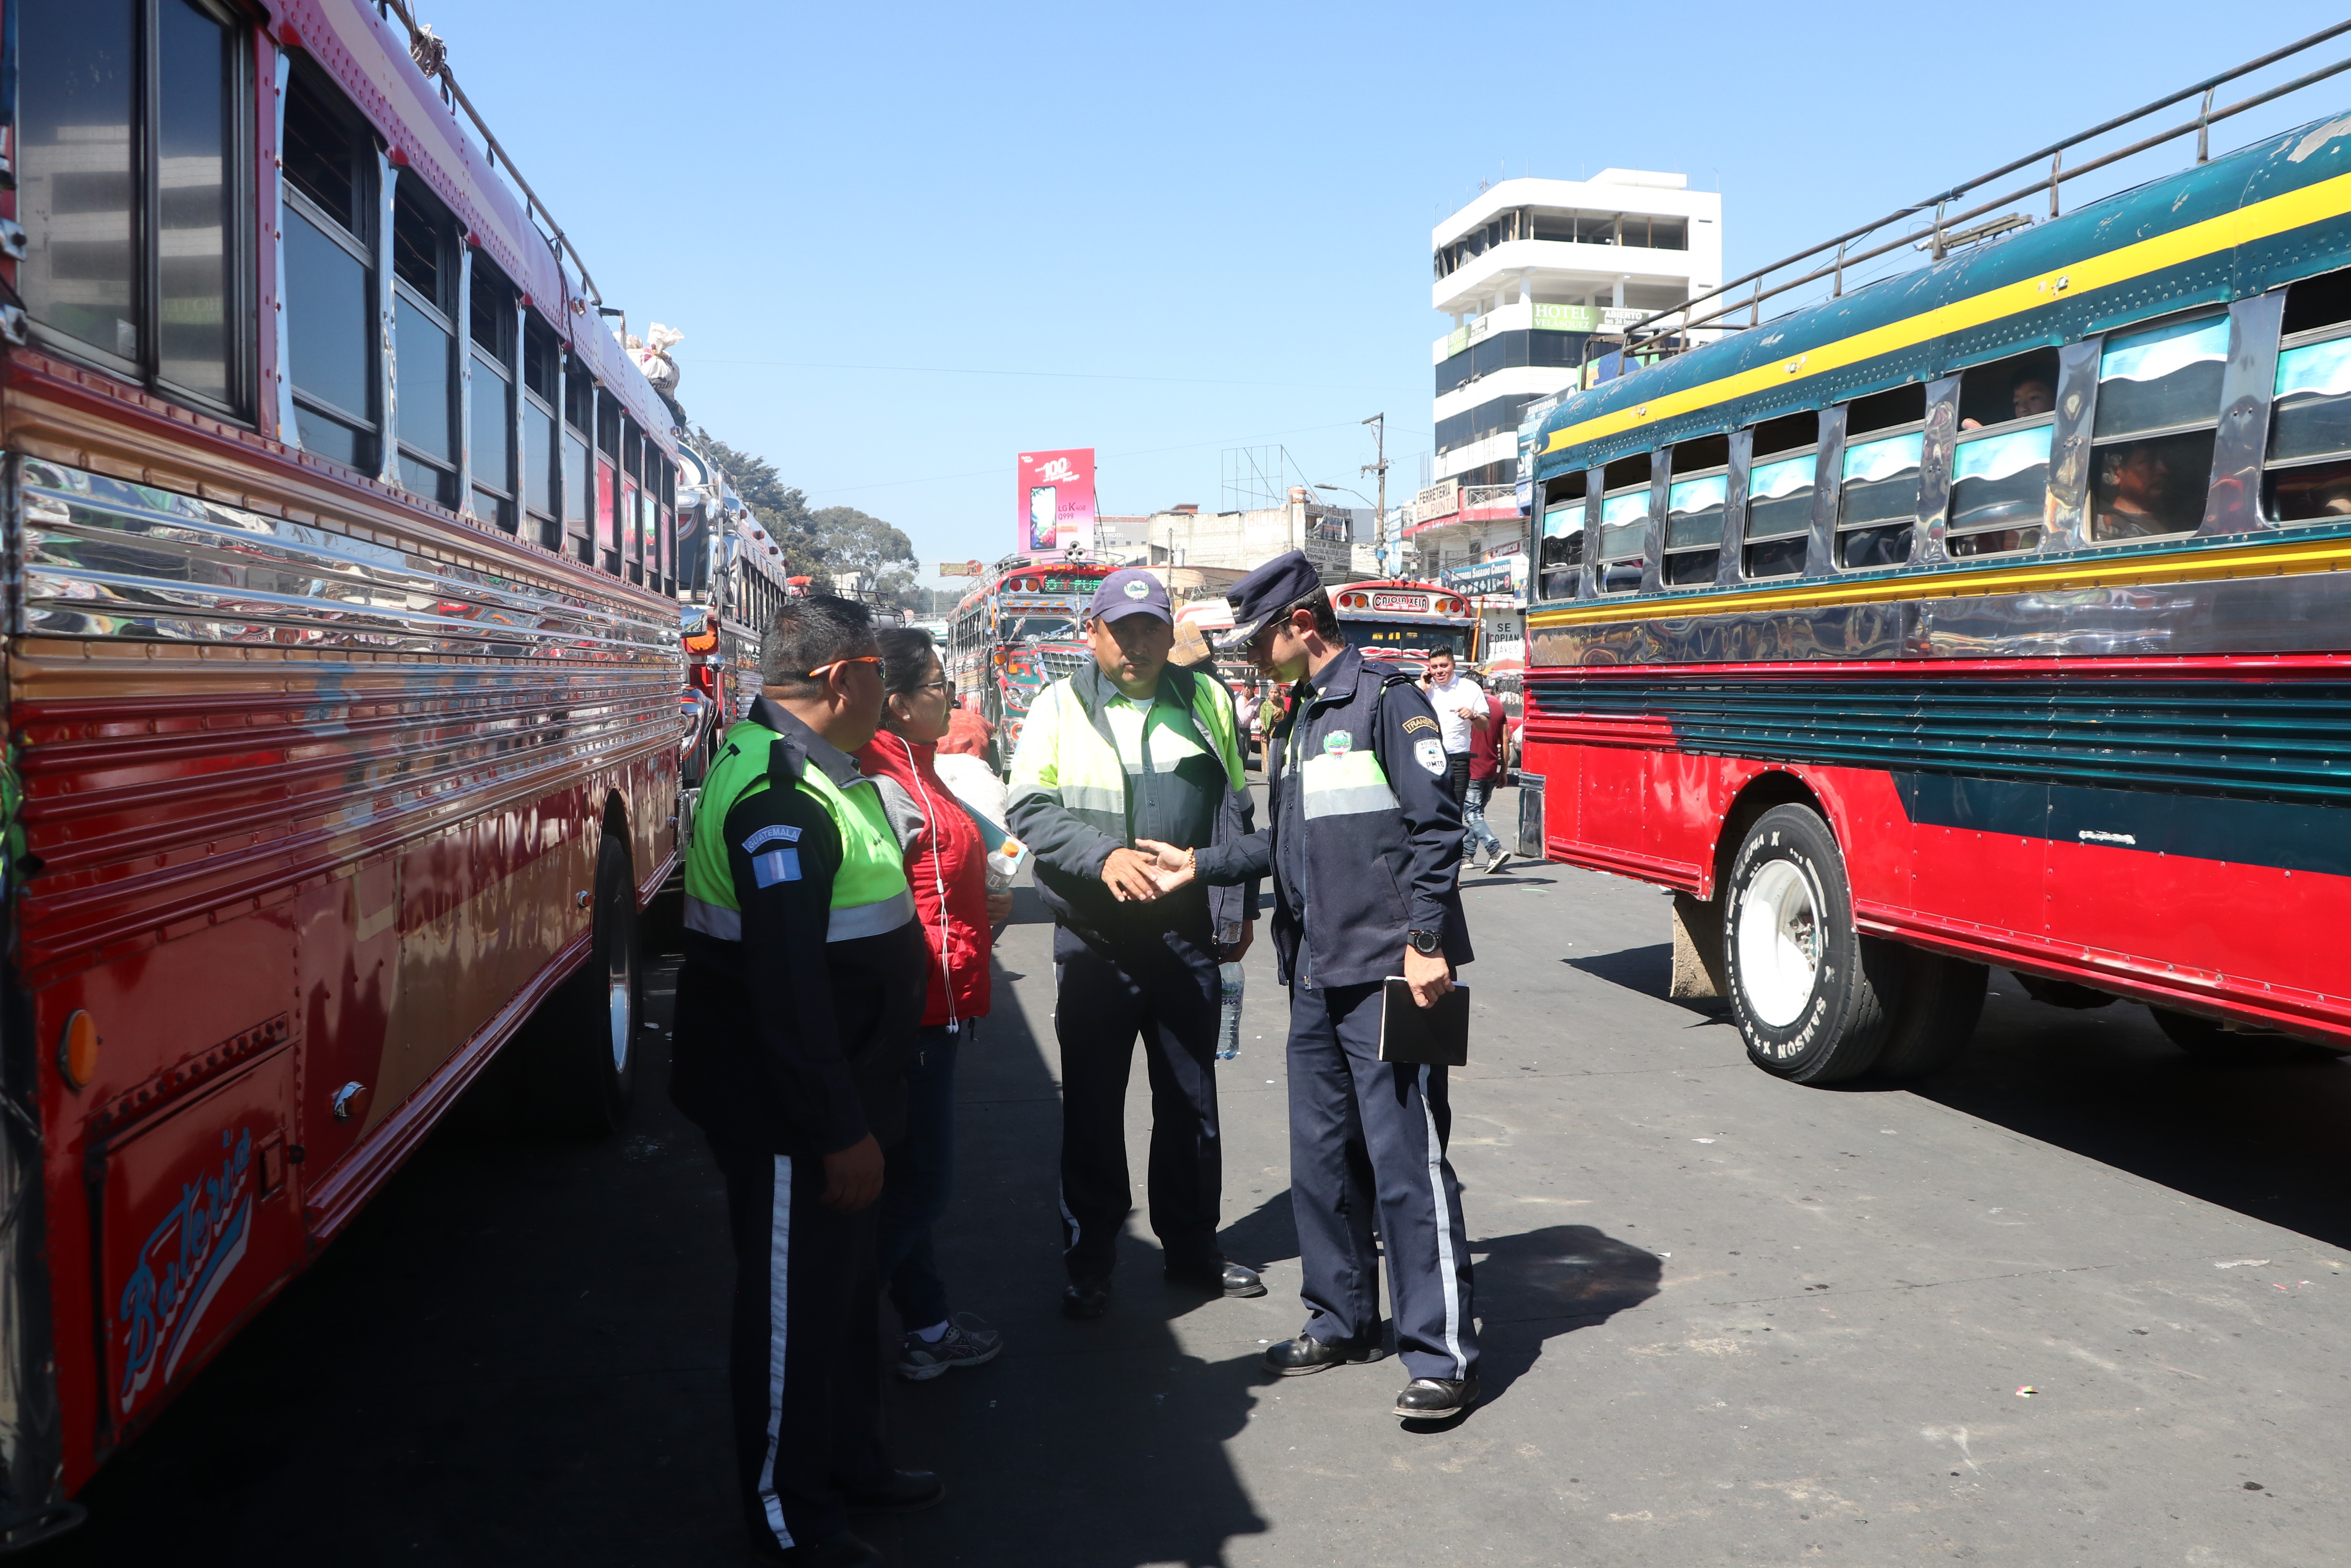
[1228,1028]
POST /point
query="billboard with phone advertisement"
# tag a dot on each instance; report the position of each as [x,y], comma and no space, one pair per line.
[1055,492]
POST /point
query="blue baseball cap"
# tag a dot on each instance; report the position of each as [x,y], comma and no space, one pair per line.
[1130,591]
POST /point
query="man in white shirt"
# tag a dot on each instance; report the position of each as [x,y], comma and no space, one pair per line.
[1461,705]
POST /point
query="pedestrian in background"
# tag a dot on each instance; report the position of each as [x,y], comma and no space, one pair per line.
[1129,748]
[1363,842]
[945,863]
[798,1005]
[1487,744]
[1460,707]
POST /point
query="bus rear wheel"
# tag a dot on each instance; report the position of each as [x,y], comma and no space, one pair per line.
[1812,997]
[584,1074]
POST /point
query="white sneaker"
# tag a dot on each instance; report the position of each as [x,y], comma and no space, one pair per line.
[969,1342]
[1501,857]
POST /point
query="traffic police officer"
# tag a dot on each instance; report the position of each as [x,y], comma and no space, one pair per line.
[1362,841]
[1128,747]
[801,995]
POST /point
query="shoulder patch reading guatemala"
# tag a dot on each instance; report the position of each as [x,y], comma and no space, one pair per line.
[1420,721]
[770,834]
[1429,753]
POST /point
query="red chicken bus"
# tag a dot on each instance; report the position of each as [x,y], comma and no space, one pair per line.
[1992,613]
[342,674]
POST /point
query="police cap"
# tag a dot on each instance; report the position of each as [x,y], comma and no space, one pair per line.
[1274,589]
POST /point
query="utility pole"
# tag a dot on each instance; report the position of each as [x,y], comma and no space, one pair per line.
[1379,424]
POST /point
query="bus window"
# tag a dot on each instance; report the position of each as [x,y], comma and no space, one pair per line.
[1999,490]
[1562,561]
[1694,508]
[2151,437]
[2309,460]
[1877,500]
[1624,524]
[1777,527]
[2023,386]
[1043,628]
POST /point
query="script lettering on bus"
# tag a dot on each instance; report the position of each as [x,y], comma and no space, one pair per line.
[199,1242]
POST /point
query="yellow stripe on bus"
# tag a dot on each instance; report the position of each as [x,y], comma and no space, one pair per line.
[2312,203]
[2276,558]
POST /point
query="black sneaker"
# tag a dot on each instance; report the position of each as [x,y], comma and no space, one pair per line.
[969,1342]
[906,1492]
[1086,1299]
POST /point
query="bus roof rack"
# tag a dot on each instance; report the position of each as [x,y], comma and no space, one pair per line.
[1670,331]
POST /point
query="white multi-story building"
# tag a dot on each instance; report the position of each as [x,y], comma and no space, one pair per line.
[1528,272]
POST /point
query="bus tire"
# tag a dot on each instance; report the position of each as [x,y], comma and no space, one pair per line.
[586,1063]
[1943,999]
[1812,997]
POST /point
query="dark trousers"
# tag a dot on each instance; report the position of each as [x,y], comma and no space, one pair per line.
[914,1190]
[1457,775]
[1168,990]
[1367,1152]
[804,1357]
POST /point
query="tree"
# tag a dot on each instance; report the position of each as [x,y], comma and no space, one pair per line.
[781,509]
[855,542]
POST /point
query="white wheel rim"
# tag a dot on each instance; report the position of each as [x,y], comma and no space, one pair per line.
[619,998]
[1779,943]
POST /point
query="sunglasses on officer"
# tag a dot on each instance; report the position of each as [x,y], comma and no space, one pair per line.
[822,670]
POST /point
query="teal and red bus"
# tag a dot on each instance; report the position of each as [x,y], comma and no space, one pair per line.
[1018,633]
[1994,613]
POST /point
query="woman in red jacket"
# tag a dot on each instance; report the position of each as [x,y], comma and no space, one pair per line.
[946,868]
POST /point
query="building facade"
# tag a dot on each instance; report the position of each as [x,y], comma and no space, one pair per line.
[1530,272]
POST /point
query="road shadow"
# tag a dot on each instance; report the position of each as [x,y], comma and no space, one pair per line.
[1084,1445]
[2263,1138]
[1539,1284]
[1648,970]
[1266,1234]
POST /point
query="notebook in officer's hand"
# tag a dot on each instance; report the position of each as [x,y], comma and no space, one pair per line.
[1438,1035]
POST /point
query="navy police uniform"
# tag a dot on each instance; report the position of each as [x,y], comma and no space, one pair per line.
[1364,842]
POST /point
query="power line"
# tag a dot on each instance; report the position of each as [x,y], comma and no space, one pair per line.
[1036,375]
[1141,452]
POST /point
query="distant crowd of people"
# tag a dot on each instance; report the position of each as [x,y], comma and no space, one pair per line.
[850,868]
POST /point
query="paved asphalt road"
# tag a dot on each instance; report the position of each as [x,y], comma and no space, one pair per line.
[1728,1321]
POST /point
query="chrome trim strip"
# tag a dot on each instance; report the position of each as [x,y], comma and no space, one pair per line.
[104,558]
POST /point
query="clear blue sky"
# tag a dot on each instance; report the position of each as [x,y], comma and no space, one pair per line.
[1207,227]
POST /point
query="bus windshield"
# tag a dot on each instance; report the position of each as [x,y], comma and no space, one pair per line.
[1413,636]
[1043,628]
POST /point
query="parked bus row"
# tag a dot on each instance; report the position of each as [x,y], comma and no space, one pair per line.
[342,676]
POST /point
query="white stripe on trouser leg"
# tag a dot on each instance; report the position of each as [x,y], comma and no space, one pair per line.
[779,1278]
[1444,1234]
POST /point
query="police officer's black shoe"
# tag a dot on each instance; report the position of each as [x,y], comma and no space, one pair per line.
[906,1492]
[1217,1276]
[839,1550]
[1435,1398]
[1294,1357]
[1086,1299]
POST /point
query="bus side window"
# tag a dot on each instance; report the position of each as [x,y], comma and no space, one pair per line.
[1694,508]
[1777,527]
[1877,488]
[2308,464]
[1624,524]
[2151,434]
[1561,560]
[2000,470]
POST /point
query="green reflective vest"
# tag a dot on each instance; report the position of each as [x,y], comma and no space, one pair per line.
[1068,761]
[870,894]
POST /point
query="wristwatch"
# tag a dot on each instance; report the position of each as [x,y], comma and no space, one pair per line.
[1425,943]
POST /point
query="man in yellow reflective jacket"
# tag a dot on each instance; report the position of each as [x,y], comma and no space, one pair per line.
[1126,748]
[800,996]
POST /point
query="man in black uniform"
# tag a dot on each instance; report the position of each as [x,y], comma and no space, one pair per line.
[1362,842]
[800,996]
